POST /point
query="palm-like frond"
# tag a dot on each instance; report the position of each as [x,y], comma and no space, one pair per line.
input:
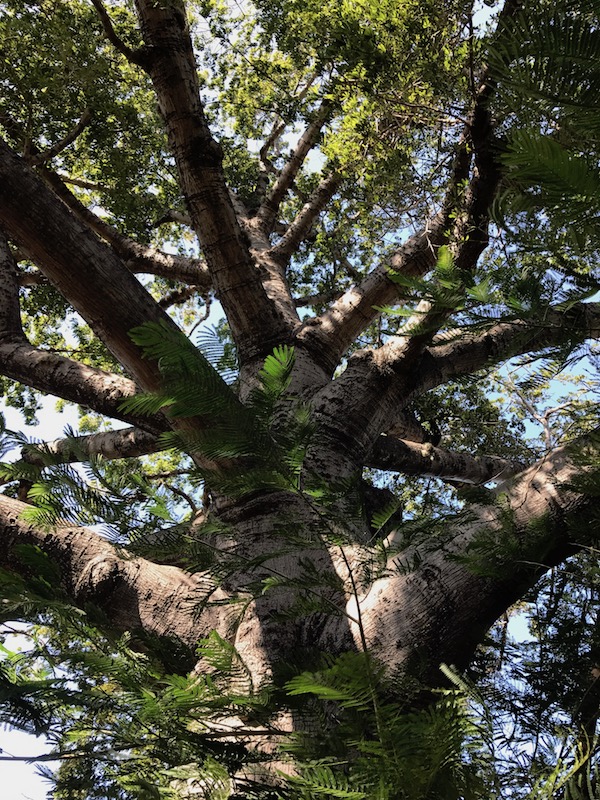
[546,63]
[554,62]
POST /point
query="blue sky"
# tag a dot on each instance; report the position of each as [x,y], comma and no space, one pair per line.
[20,779]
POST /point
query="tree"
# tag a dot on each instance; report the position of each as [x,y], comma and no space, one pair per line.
[307,528]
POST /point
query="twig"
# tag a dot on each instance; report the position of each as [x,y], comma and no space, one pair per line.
[62,144]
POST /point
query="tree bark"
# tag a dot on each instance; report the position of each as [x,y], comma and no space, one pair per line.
[432,603]
[260,311]
[135,595]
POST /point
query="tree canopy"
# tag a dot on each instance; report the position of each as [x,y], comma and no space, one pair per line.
[321,280]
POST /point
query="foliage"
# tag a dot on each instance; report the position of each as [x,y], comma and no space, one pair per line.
[392,85]
[550,55]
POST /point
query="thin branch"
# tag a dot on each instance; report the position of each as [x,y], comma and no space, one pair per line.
[462,221]
[301,226]
[183,495]
[266,168]
[276,133]
[82,184]
[137,257]
[267,213]
[330,334]
[58,147]
[134,56]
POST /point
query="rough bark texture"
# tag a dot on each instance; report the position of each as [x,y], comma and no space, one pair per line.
[134,594]
[435,608]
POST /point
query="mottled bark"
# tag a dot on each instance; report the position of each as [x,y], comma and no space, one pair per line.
[436,603]
[125,443]
[136,595]
[444,595]
[395,455]
[431,608]
[259,307]
[465,354]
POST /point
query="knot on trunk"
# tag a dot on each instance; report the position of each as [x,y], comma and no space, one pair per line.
[98,578]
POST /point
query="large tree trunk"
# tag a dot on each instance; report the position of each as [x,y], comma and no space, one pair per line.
[294,575]
[433,607]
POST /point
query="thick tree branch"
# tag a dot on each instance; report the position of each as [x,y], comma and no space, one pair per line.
[388,454]
[10,312]
[85,270]
[135,595]
[137,257]
[124,443]
[469,353]
[443,595]
[350,421]
[259,320]
[92,388]
[91,276]
[300,227]
[267,213]
[330,334]
[395,455]
[462,223]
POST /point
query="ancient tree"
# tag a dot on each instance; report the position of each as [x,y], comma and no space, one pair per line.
[334,176]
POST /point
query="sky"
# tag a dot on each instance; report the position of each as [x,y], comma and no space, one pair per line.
[20,779]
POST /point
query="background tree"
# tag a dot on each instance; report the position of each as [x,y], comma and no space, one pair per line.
[289,545]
